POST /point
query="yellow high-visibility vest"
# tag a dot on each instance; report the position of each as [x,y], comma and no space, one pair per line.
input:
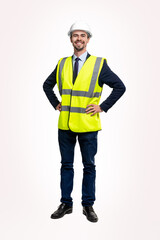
[76,97]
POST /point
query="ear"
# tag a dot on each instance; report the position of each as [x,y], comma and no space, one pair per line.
[88,40]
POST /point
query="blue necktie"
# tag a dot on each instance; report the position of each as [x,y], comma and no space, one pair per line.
[75,70]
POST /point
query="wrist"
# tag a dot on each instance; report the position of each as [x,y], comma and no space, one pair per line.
[101,109]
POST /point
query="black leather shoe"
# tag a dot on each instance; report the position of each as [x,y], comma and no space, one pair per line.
[61,211]
[90,214]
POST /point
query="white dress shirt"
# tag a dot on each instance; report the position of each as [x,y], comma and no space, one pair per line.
[81,61]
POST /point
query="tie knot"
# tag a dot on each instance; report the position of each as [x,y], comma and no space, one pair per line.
[77,59]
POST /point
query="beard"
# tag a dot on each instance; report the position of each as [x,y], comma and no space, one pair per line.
[79,48]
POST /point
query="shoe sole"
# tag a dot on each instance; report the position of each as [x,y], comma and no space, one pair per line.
[96,220]
[67,212]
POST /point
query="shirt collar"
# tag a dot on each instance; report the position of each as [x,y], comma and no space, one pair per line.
[82,56]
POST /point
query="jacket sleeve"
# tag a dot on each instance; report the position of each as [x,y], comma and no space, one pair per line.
[112,80]
[48,86]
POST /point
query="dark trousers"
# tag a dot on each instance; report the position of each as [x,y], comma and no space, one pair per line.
[88,146]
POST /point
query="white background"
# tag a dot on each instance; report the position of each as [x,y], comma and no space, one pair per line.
[33,38]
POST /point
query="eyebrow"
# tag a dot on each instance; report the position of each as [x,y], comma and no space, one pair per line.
[83,34]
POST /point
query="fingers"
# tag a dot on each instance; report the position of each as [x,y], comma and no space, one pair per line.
[88,110]
[92,110]
[93,113]
[90,105]
[58,107]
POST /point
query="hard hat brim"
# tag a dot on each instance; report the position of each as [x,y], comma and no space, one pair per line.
[70,32]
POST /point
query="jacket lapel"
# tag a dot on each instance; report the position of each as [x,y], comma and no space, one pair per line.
[88,55]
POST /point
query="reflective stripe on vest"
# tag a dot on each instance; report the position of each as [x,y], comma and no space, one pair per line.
[80,93]
[60,71]
[73,109]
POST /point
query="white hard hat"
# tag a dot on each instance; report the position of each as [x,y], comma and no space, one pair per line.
[80,25]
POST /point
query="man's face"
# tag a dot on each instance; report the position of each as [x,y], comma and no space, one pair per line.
[79,39]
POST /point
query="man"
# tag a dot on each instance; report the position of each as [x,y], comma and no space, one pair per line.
[80,79]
